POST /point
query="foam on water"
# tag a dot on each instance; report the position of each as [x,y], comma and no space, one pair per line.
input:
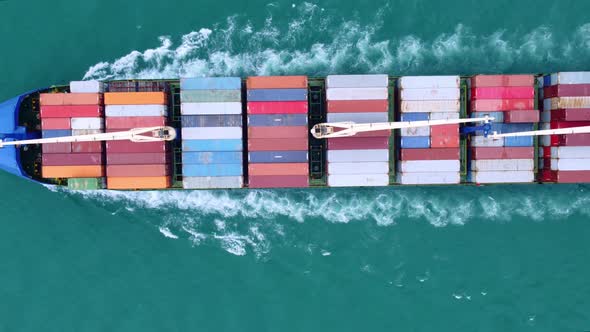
[314,41]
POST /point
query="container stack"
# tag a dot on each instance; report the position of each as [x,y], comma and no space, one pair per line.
[566,158]
[277,132]
[510,99]
[76,113]
[212,132]
[363,159]
[430,155]
[132,165]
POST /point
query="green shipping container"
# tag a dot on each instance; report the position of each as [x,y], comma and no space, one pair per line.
[210,96]
[86,183]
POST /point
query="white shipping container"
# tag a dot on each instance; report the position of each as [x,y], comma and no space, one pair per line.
[426,166]
[566,102]
[429,82]
[357,94]
[570,164]
[353,156]
[443,116]
[502,165]
[481,142]
[213,182]
[210,108]
[357,81]
[361,180]
[359,168]
[76,132]
[545,140]
[359,117]
[415,106]
[418,131]
[430,94]
[135,110]
[86,87]
[212,133]
[87,123]
[503,177]
[577,77]
[570,152]
[430,178]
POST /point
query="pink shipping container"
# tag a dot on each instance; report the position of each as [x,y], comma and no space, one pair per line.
[517,92]
[490,105]
[55,123]
[502,80]
[72,159]
[503,153]
[132,147]
[566,90]
[358,106]
[571,114]
[277,107]
[573,140]
[87,147]
[430,154]
[278,132]
[521,116]
[57,148]
[137,158]
[278,181]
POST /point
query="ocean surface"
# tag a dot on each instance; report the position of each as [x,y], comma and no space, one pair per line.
[495,258]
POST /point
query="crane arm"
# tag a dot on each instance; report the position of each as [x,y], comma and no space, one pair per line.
[561,131]
[346,129]
[151,134]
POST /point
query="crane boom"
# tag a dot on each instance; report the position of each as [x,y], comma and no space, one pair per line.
[561,131]
[151,134]
[347,129]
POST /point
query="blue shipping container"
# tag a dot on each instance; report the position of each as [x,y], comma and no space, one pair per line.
[56,133]
[264,120]
[217,120]
[277,95]
[415,116]
[547,80]
[218,157]
[211,83]
[416,142]
[278,157]
[212,170]
[509,128]
[518,141]
[212,145]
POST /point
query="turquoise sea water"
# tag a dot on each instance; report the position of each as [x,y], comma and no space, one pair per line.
[497,258]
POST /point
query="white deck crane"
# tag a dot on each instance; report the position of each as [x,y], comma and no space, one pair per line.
[139,135]
[347,129]
[543,132]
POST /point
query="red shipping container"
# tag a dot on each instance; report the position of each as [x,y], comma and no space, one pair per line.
[566,90]
[87,147]
[451,130]
[72,159]
[278,132]
[276,82]
[137,170]
[277,107]
[133,147]
[379,133]
[55,123]
[444,142]
[358,106]
[68,111]
[57,148]
[571,140]
[430,154]
[278,181]
[137,158]
[278,144]
[502,153]
[571,114]
[358,143]
[572,176]
[278,169]
[487,105]
[527,116]
[502,80]
[515,92]
[135,122]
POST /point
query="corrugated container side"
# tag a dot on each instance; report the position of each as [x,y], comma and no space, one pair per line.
[521,116]
[207,157]
[278,157]
[210,96]
[430,154]
[359,168]
[566,102]
[135,98]
[71,159]
[86,183]
[212,145]
[358,117]
[136,110]
[211,83]
[345,156]
[580,114]
[277,132]
[503,177]
[137,158]
[358,106]
[409,142]
[277,95]
[578,164]
[212,133]
[276,82]
[480,141]
[516,92]
[357,81]
[362,180]
[486,105]
[264,120]
[278,144]
[570,78]
[213,182]
[278,181]
[69,111]
[87,147]
[430,178]
[277,107]
[573,90]
[503,153]
[423,166]
[138,170]
[87,123]
[56,133]
[230,120]
[417,131]
[503,165]
[502,80]
[79,171]
[69,99]
[443,116]
[56,124]
[416,116]
[430,94]
[570,152]
[135,122]
[86,87]
[157,182]
[76,132]
[574,140]
[356,94]
[572,176]
[211,108]
[132,147]
[429,82]
[278,169]
[518,141]
[416,106]
[193,170]
[358,143]
[57,148]
[498,116]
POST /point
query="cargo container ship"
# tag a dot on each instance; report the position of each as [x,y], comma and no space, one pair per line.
[257,132]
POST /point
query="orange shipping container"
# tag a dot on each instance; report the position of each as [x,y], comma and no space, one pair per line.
[135,98]
[148,182]
[276,82]
[279,169]
[137,170]
[278,132]
[60,99]
[72,171]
